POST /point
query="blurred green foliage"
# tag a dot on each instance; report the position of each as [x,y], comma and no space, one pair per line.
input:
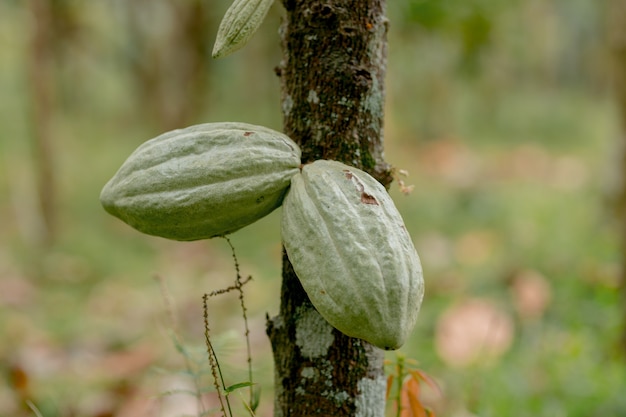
[500,111]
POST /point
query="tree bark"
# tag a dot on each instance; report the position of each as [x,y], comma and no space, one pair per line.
[332,79]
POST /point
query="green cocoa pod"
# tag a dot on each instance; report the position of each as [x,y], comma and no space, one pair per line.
[352,253]
[241,21]
[203,181]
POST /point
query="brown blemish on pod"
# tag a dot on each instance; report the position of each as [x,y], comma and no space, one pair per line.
[366,198]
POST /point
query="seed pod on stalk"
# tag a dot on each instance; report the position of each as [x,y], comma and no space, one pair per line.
[203,181]
[241,21]
[352,253]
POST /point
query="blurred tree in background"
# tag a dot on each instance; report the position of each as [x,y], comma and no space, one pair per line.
[166,53]
[617,37]
[53,26]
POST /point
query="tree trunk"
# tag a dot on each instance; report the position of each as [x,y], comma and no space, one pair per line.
[617,17]
[40,66]
[171,66]
[332,79]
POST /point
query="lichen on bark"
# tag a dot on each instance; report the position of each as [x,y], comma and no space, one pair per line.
[313,334]
[371,399]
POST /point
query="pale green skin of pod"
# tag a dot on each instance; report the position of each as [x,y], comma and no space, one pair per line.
[352,253]
[241,21]
[203,181]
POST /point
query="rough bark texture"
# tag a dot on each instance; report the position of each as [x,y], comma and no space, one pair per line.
[332,78]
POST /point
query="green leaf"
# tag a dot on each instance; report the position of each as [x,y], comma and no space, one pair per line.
[256,398]
[234,387]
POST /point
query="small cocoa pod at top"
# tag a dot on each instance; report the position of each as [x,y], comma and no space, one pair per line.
[202,181]
[241,21]
[349,247]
